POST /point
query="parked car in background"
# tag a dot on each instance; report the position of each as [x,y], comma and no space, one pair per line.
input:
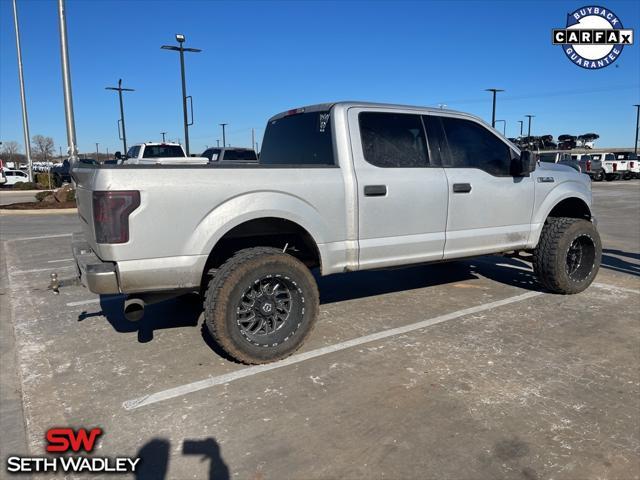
[560,159]
[567,142]
[13,177]
[230,154]
[588,165]
[348,190]
[152,153]
[614,169]
[60,173]
[3,178]
[633,167]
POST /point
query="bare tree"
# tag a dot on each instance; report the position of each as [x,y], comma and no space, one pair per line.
[43,147]
[10,149]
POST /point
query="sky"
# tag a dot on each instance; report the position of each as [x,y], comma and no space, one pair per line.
[261,58]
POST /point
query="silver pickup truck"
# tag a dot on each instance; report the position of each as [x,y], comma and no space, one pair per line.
[339,187]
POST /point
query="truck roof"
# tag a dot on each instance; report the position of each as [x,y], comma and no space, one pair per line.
[158,143]
[323,107]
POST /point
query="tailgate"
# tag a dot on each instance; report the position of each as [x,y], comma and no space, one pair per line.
[84,180]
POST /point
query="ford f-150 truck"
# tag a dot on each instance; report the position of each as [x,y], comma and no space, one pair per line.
[339,187]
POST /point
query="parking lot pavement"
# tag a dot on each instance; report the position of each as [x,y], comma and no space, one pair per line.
[458,370]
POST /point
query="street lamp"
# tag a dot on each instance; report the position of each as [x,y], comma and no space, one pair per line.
[180,39]
[163,134]
[224,138]
[520,122]
[493,114]
[529,117]
[635,145]
[121,89]
[504,129]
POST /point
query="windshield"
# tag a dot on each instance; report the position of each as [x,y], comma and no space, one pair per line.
[162,151]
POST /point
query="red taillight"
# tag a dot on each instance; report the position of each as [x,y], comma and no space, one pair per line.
[588,165]
[631,164]
[111,212]
[615,167]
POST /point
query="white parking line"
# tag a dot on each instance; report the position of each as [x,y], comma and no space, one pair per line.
[41,237]
[301,357]
[61,260]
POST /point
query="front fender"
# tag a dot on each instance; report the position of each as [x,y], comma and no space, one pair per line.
[251,206]
[558,193]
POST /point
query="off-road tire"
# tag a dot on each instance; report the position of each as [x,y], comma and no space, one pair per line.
[229,286]
[550,257]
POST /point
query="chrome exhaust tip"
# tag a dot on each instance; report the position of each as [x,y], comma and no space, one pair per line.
[134,309]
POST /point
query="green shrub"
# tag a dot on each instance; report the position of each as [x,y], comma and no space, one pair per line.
[25,186]
[43,179]
[40,195]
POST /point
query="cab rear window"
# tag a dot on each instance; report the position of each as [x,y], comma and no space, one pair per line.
[298,139]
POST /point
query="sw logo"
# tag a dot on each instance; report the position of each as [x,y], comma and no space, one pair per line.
[593,38]
[65,440]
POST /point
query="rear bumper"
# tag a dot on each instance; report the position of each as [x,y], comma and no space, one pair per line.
[98,276]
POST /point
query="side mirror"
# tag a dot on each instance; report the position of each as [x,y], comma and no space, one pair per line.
[118,155]
[523,165]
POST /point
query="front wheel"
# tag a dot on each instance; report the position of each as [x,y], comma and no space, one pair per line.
[568,255]
[261,305]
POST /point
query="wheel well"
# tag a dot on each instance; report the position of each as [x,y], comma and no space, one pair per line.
[265,232]
[572,208]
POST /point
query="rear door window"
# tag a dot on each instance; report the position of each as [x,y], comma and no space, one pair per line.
[393,140]
[298,139]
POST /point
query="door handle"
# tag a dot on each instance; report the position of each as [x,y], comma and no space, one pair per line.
[375,190]
[461,187]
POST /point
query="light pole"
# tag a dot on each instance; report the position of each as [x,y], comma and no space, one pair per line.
[180,39]
[504,129]
[97,151]
[635,145]
[218,143]
[224,137]
[493,113]
[23,100]
[66,85]
[521,123]
[120,89]
[529,117]
[163,134]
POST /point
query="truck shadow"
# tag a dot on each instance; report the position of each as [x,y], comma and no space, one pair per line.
[186,311]
[616,260]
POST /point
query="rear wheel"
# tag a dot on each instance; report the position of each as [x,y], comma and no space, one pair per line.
[261,305]
[568,255]
[598,177]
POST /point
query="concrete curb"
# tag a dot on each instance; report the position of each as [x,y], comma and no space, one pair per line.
[43,211]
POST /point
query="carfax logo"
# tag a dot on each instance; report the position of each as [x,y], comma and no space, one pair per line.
[593,38]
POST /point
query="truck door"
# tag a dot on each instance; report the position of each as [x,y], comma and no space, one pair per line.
[402,198]
[489,209]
